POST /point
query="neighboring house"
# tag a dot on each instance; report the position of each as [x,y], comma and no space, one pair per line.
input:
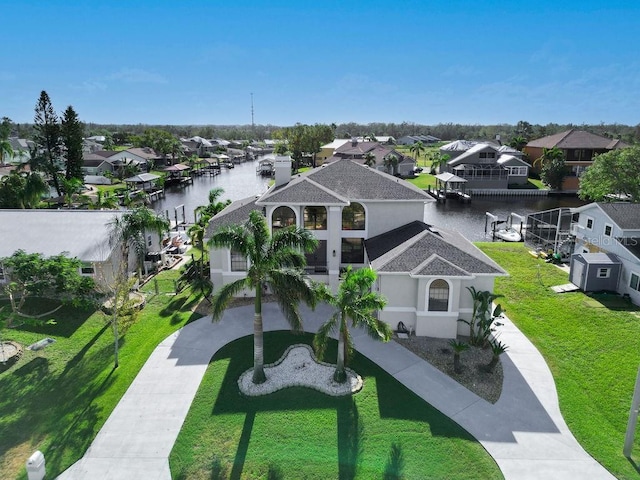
[96,164]
[327,151]
[482,166]
[21,150]
[458,147]
[364,217]
[358,151]
[198,146]
[411,139]
[81,234]
[144,157]
[90,145]
[611,230]
[579,148]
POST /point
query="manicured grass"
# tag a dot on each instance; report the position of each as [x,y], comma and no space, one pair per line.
[57,399]
[423,181]
[384,431]
[590,343]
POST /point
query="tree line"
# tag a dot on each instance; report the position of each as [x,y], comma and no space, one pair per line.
[122,133]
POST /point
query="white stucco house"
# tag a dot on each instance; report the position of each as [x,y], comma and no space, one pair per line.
[81,234]
[365,217]
[612,229]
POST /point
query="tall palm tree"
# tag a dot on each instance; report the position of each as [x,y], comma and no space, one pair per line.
[417,149]
[357,302]
[213,207]
[275,261]
[6,151]
[129,230]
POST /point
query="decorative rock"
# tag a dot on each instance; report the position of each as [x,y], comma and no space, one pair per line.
[298,367]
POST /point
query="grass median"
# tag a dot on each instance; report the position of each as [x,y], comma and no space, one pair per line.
[384,431]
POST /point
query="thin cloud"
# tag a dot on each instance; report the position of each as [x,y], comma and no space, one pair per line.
[137,75]
[89,86]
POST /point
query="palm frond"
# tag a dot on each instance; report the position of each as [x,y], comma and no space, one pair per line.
[224,295]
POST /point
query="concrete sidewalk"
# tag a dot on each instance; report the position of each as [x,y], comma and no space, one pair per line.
[524,431]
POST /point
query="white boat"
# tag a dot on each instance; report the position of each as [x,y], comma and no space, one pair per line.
[508,234]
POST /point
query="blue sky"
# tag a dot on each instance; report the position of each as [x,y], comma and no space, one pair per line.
[197,62]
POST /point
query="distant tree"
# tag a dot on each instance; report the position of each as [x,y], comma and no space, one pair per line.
[6,151]
[417,149]
[518,142]
[391,164]
[356,302]
[438,161]
[47,137]
[34,275]
[280,148]
[304,139]
[104,201]
[524,129]
[72,133]
[553,167]
[108,143]
[613,173]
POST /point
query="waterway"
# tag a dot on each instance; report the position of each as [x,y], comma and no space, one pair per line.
[469,219]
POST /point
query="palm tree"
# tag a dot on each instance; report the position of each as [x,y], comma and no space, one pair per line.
[357,302]
[497,349]
[129,230]
[548,155]
[104,201]
[458,348]
[518,142]
[417,149]
[391,163]
[6,151]
[214,207]
[438,161]
[275,261]
[369,159]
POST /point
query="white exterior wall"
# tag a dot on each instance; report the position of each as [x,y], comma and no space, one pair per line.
[385,216]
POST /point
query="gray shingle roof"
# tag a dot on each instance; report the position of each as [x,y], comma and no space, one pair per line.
[237,212]
[358,182]
[83,234]
[423,250]
[301,190]
[625,215]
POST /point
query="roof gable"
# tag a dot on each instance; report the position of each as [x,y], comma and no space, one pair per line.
[235,213]
[625,215]
[407,248]
[301,190]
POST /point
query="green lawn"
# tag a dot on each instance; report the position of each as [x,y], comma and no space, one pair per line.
[591,344]
[384,431]
[57,399]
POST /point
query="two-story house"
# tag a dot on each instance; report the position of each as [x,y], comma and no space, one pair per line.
[364,217]
[607,248]
[484,166]
[579,149]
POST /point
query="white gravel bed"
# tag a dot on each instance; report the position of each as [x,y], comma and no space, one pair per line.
[298,367]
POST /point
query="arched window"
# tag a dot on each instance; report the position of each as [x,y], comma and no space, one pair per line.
[315,218]
[439,296]
[282,217]
[353,217]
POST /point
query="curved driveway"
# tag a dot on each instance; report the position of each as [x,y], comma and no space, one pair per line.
[524,431]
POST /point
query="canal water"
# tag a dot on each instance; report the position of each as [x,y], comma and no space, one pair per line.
[468,218]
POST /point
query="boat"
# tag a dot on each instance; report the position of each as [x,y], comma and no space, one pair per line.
[508,234]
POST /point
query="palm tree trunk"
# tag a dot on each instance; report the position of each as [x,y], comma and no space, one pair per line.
[340,375]
[258,341]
